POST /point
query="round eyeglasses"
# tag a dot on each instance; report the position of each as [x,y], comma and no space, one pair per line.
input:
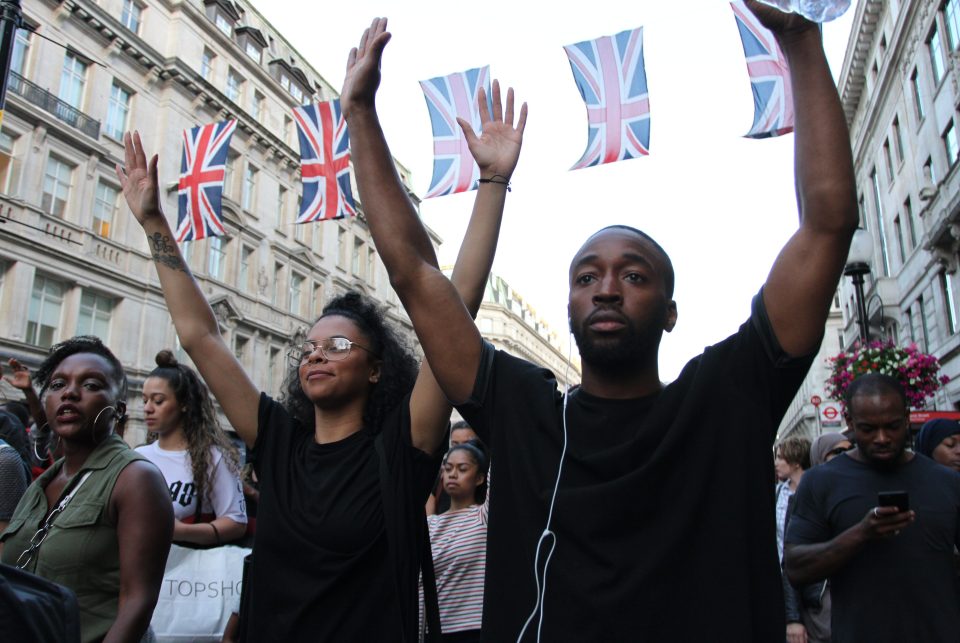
[333,349]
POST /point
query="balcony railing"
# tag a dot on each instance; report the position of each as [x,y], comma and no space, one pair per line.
[48,102]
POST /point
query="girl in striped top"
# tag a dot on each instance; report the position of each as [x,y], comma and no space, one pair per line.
[458,540]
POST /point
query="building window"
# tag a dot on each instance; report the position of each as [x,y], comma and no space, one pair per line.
[881,231]
[900,247]
[256,106]
[206,64]
[72,80]
[217,259]
[56,186]
[94,318]
[186,249]
[898,138]
[317,298]
[356,259]
[246,268]
[253,51]
[43,317]
[229,170]
[888,160]
[951,17]
[277,282]
[21,52]
[248,197]
[296,292]
[372,267]
[117,111]
[224,24]
[917,95]
[946,285]
[240,345]
[104,208]
[950,144]
[234,86]
[282,208]
[9,164]
[341,247]
[923,324]
[274,371]
[913,330]
[935,47]
[130,15]
[296,92]
[300,230]
[911,226]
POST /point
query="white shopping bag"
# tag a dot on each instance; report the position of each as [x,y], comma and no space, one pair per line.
[201,588]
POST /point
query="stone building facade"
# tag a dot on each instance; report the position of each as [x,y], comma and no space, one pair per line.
[900,87]
[72,258]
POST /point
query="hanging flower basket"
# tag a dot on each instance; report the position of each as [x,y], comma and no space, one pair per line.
[918,372]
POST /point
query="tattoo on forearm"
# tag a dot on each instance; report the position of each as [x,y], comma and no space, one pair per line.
[165,252]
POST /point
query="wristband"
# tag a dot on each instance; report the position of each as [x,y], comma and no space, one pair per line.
[499,180]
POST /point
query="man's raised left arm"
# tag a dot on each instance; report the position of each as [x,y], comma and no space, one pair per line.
[804,277]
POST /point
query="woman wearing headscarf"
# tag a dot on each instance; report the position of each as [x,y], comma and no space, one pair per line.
[940,440]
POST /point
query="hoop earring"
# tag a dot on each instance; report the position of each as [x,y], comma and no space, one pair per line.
[93,427]
[35,440]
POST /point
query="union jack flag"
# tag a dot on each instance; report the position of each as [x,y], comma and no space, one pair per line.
[202,170]
[448,97]
[613,83]
[769,76]
[324,162]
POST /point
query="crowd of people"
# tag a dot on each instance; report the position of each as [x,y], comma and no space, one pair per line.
[625,507]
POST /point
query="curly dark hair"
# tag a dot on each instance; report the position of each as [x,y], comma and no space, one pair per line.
[398,366]
[477,451]
[201,425]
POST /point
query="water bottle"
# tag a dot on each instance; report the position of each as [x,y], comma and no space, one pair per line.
[815,10]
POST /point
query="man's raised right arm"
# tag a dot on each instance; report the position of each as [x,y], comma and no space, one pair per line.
[443,324]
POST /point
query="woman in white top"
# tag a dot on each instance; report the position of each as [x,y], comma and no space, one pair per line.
[198,461]
[458,540]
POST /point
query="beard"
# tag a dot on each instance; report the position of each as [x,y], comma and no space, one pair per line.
[625,352]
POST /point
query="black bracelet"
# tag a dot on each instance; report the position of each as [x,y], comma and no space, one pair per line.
[216,532]
[493,179]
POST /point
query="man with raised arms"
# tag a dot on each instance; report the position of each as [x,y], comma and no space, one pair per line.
[650,506]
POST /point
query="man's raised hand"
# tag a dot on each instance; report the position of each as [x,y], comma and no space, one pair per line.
[363,68]
[779,22]
[497,149]
[138,179]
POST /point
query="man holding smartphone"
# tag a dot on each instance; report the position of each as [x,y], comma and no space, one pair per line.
[854,525]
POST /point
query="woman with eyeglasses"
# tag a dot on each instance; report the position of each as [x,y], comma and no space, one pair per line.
[346,458]
[99,520]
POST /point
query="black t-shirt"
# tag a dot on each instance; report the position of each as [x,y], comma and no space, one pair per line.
[664,517]
[322,553]
[896,589]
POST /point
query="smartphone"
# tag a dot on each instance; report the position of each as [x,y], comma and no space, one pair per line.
[898,499]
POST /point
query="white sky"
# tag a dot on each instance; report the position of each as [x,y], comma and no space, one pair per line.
[721,205]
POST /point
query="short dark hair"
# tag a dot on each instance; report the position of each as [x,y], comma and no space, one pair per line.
[75,346]
[668,276]
[460,424]
[874,384]
[795,450]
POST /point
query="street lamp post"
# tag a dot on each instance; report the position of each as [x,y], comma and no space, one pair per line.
[9,22]
[858,265]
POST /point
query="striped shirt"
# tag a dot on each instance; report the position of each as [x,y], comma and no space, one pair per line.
[458,540]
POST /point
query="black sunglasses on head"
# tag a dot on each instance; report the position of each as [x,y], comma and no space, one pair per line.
[839,450]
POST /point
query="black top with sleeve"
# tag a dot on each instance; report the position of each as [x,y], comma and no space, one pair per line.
[902,588]
[664,519]
[337,551]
